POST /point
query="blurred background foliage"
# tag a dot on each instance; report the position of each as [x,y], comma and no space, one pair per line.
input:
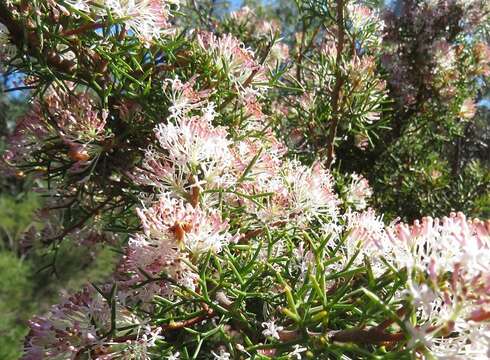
[422,161]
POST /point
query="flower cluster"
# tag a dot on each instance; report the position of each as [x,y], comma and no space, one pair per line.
[233,58]
[78,324]
[149,19]
[235,247]
[75,120]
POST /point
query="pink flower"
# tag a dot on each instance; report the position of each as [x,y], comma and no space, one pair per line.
[184,98]
[359,191]
[147,18]
[172,231]
[232,56]
[183,226]
[367,232]
[76,326]
[76,120]
[468,109]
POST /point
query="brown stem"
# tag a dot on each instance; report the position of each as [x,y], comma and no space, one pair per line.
[209,313]
[83,28]
[304,49]
[24,36]
[385,324]
[253,233]
[78,224]
[375,335]
[300,53]
[337,86]
[369,336]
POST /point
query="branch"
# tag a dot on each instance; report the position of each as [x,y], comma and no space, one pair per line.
[370,336]
[78,224]
[256,232]
[248,81]
[209,313]
[24,37]
[338,85]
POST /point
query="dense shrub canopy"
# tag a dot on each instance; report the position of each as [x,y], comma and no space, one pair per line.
[225,158]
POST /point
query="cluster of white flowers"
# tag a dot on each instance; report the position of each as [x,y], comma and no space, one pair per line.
[78,323]
[447,264]
[359,192]
[237,61]
[148,19]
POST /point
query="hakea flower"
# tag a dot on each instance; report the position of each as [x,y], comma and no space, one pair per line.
[184,98]
[361,16]
[297,351]
[266,155]
[194,154]
[78,117]
[148,19]
[79,324]
[75,119]
[450,258]
[194,142]
[149,256]
[359,191]
[311,191]
[449,244]
[231,56]
[468,109]
[366,232]
[172,230]
[187,227]
[297,192]
[271,329]
[448,336]
[469,341]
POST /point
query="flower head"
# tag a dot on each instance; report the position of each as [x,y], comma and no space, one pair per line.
[271,329]
[232,56]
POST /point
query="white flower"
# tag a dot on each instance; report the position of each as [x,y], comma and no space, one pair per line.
[195,142]
[223,355]
[297,350]
[147,18]
[233,57]
[271,329]
[421,296]
[358,192]
[175,356]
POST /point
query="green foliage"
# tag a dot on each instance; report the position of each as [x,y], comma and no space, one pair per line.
[16,303]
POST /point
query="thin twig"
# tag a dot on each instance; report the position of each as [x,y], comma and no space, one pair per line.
[338,85]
